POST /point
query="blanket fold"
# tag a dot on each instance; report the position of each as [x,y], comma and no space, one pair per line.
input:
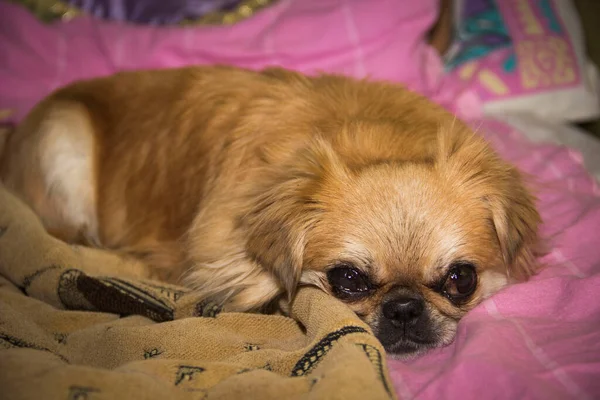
[80,323]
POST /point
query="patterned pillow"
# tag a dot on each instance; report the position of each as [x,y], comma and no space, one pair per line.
[524,56]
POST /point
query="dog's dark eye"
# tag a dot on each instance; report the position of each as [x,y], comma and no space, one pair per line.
[461,281]
[347,281]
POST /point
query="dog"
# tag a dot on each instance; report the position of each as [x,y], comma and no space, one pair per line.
[246,185]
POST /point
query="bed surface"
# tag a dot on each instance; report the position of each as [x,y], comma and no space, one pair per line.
[539,339]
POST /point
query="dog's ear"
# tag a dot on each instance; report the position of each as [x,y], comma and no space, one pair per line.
[475,168]
[286,208]
[516,220]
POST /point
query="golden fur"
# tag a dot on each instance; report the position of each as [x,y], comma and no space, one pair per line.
[248,184]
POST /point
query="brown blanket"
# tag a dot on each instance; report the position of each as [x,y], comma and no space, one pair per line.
[78,323]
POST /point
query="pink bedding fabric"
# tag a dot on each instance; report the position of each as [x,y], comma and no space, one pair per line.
[540,339]
[381,39]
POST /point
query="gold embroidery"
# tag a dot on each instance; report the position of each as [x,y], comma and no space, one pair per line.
[51,10]
[468,70]
[492,82]
[545,63]
[525,14]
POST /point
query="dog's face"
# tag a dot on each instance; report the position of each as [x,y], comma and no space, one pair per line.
[409,244]
[406,251]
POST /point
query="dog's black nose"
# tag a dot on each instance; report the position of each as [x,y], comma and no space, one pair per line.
[403,309]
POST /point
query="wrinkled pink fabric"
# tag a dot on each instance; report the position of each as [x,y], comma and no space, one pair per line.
[381,39]
[537,340]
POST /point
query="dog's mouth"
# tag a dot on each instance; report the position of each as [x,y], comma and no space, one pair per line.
[408,340]
[407,348]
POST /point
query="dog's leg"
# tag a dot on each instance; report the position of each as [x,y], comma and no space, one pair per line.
[49,162]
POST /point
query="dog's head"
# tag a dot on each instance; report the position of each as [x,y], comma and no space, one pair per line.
[409,234]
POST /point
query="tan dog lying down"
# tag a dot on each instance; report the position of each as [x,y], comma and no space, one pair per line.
[247,185]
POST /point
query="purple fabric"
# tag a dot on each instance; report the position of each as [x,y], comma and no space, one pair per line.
[154,12]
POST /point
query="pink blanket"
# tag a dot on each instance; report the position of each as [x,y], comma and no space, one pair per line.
[381,39]
[540,339]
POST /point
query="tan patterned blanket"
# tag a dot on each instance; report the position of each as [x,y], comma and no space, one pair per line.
[78,323]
